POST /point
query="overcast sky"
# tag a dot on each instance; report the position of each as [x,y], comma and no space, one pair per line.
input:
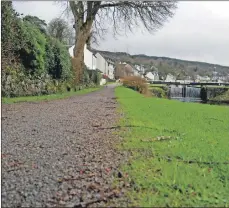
[199,31]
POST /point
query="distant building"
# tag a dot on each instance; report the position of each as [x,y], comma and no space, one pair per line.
[152,76]
[202,78]
[111,67]
[170,78]
[215,76]
[136,72]
[104,65]
[224,78]
[140,68]
[123,70]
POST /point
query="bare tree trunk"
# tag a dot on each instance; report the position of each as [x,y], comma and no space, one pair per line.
[82,36]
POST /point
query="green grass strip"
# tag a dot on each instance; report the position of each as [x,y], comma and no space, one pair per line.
[179,151]
[48,97]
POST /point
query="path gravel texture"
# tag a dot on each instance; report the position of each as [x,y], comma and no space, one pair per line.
[61,153]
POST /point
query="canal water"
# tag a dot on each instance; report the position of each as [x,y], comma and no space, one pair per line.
[185,93]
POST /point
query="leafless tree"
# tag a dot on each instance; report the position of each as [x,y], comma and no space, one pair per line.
[93,17]
[60,29]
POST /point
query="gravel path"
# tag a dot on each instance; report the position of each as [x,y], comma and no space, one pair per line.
[60,153]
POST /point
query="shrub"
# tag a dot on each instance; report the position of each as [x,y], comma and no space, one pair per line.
[58,61]
[64,61]
[12,39]
[222,97]
[86,78]
[33,52]
[16,83]
[137,83]
[158,92]
[95,76]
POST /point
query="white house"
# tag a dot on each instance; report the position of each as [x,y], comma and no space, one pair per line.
[136,72]
[111,67]
[214,76]
[89,57]
[105,66]
[152,76]
[90,60]
[170,78]
[140,68]
[101,63]
[224,78]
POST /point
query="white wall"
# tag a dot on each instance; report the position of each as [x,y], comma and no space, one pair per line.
[156,77]
[138,67]
[101,64]
[70,50]
[89,59]
[136,73]
[150,76]
[110,71]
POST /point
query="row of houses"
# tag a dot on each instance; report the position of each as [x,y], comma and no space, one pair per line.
[95,60]
[114,71]
[124,69]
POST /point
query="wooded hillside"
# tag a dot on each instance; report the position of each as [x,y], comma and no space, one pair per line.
[167,65]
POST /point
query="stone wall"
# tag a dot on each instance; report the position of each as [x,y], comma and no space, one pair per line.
[16,84]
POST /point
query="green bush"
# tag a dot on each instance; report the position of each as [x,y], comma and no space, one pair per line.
[95,76]
[158,92]
[16,83]
[58,61]
[12,39]
[86,78]
[33,53]
[222,97]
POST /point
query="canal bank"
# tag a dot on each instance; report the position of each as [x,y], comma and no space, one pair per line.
[186,93]
[177,151]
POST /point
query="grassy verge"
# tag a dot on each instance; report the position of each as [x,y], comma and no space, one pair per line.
[48,97]
[157,85]
[179,151]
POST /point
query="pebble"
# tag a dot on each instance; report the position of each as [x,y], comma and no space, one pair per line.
[60,147]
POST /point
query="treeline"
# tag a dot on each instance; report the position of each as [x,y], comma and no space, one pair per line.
[33,61]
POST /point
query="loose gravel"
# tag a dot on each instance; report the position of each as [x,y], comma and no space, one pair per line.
[61,153]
